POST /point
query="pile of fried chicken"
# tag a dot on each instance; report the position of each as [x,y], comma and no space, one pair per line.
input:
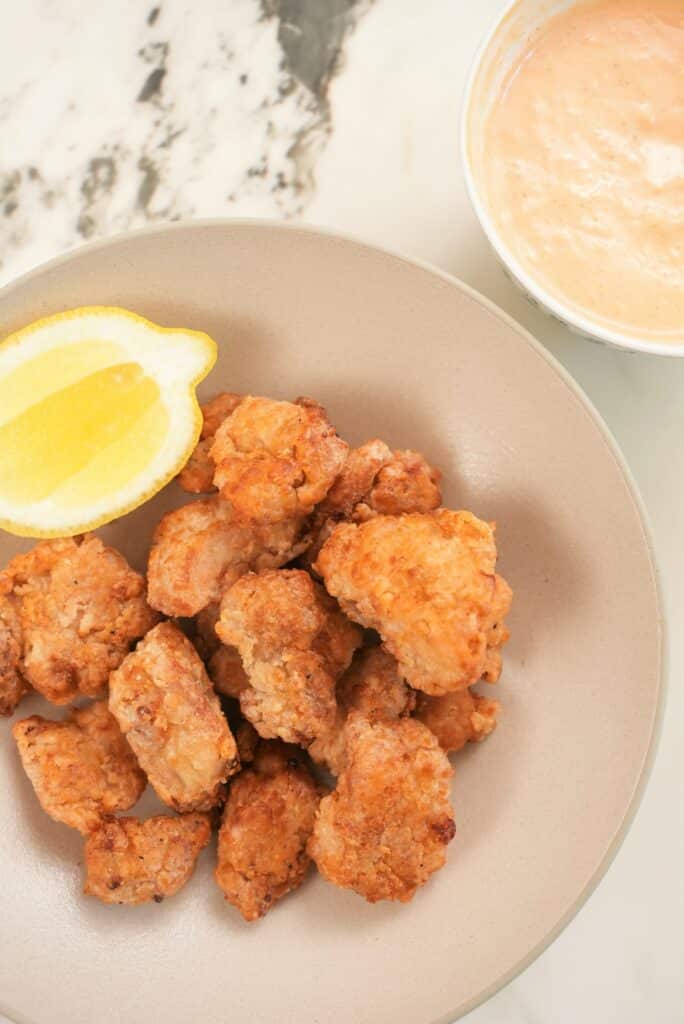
[296,666]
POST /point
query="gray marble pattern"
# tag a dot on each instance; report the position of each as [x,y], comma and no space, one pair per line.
[130,113]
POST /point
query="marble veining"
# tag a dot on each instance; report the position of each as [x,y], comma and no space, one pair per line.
[136,113]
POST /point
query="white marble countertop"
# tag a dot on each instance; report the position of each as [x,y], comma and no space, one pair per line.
[344,113]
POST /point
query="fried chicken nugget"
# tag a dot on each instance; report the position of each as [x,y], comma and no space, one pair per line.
[248,740]
[384,829]
[373,686]
[276,460]
[70,610]
[197,476]
[294,643]
[427,583]
[200,549]
[132,861]
[13,686]
[81,768]
[227,673]
[205,638]
[458,718]
[164,703]
[224,664]
[375,480]
[267,822]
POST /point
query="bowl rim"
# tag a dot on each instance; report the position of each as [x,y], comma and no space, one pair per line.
[576,321]
[641,783]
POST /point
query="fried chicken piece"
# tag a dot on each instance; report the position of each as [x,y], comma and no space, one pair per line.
[373,686]
[375,480]
[248,740]
[12,684]
[132,861]
[224,664]
[427,583]
[267,822]
[197,476]
[227,672]
[276,460]
[163,700]
[71,609]
[384,829]
[81,768]
[200,549]
[458,718]
[294,643]
[205,638]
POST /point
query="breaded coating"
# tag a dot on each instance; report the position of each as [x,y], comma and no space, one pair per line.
[205,639]
[13,686]
[267,822]
[385,828]
[427,583]
[375,480]
[163,700]
[72,609]
[200,549]
[224,664]
[227,673]
[132,861]
[373,686]
[276,460]
[458,718]
[197,476]
[294,643]
[81,768]
[248,740]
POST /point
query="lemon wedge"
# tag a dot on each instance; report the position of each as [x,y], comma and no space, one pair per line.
[97,413]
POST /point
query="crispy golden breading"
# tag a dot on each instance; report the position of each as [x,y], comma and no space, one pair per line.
[458,718]
[248,740]
[73,609]
[427,583]
[267,822]
[227,673]
[294,643]
[224,664]
[276,460]
[384,829]
[200,549]
[375,480]
[13,686]
[81,768]
[373,686]
[197,476]
[407,483]
[163,700]
[204,638]
[132,861]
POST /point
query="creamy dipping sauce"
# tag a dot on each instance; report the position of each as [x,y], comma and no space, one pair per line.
[583,163]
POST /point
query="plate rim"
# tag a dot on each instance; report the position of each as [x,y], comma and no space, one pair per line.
[287,227]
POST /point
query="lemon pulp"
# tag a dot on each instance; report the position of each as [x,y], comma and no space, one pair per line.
[101,421]
[98,412]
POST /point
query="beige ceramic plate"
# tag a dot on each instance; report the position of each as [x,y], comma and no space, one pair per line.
[398,351]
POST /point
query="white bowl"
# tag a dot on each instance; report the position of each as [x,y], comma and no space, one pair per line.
[501,49]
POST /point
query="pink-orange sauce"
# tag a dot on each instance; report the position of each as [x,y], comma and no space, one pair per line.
[584,162]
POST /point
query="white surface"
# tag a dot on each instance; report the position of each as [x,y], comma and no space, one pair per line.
[391,174]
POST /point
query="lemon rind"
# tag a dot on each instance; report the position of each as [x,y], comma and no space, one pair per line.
[25,526]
